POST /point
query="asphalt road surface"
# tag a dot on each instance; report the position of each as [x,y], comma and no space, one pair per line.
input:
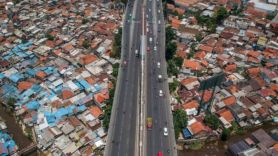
[124,134]
[122,129]
[158,107]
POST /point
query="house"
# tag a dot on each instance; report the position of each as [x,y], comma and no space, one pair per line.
[192,65]
[226,117]
[262,138]
[237,148]
[190,83]
[198,129]
[191,107]
[185,3]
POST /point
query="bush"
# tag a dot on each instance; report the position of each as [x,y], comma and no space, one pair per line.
[173,86]
[86,44]
[116,47]
[180,121]
[50,37]
[212,121]
[171,48]
[225,134]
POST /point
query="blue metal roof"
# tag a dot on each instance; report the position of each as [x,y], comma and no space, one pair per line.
[85,84]
[186,133]
[16,77]
[33,105]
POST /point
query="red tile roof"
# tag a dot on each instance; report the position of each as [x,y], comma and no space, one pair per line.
[96,111]
[175,23]
[207,95]
[229,100]
[190,105]
[191,64]
[227,115]
[41,74]
[24,85]
[253,71]
[206,48]
[197,127]
[200,55]
[188,80]
[230,68]
[87,59]
[253,53]
[267,92]
[66,94]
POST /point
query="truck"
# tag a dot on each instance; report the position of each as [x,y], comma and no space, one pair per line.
[149,122]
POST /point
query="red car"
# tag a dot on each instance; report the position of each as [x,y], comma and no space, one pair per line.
[159,154]
[148,49]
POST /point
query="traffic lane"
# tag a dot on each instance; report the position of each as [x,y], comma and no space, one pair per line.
[132,99]
[119,120]
[150,142]
[157,134]
[155,139]
[163,102]
[167,108]
[120,82]
[150,91]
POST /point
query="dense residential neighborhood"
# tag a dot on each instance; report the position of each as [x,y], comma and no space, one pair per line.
[60,61]
[56,71]
[237,38]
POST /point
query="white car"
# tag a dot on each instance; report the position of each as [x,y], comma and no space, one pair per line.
[158,64]
[160,93]
[158,21]
[165,131]
[158,11]
[155,48]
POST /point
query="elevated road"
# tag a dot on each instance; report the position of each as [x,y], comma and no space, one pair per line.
[123,128]
[137,93]
[158,106]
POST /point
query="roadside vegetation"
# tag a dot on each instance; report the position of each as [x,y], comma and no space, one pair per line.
[180,121]
[117,43]
[174,62]
[116,53]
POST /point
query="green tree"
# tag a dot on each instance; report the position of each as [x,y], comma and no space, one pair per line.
[171,68]
[198,37]
[115,69]
[225,134]
[171,48]
[86,44]
[170,34]
[221,14]
[212,121]
[49,37]
[107,115]
[180,121]
[85,20]
[173,86]
[270,16]
[178,61]
[11,102]
[116,47]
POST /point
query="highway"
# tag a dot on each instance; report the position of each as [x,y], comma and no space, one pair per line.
[137,89]
[158,107]
[123,128]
